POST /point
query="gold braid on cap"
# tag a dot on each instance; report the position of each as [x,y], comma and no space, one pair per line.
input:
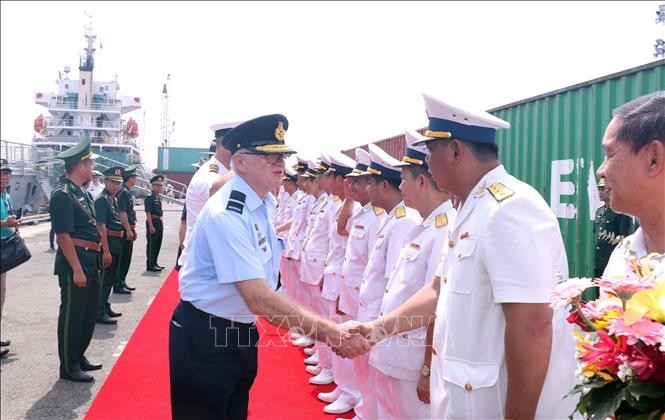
[273,148]
[373,171]
[412,160]
[439,134]
[86,157]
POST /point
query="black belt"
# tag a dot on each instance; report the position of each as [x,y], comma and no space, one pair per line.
[225,322]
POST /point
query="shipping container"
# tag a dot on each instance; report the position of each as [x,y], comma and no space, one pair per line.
[179,159]
[553,144]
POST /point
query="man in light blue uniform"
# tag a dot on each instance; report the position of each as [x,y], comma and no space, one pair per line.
[229,277]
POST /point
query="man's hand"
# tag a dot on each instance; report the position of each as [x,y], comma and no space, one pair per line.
[107,259]
[80,279]
[351,343]
[130,235]
[423,389]
[153,230]
[11,221]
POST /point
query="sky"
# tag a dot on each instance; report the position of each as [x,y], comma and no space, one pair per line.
[343,73]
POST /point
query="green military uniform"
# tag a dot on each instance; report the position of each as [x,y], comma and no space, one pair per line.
[153,209]
[72,214]
[126,204]
[610,228]
[106,213]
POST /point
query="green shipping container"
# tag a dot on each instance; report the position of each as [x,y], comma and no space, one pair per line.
[179,159]
[554,145]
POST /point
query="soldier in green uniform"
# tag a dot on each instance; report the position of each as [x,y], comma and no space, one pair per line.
[610,229]
[77,263]
[110,228]
[128,217]
[153,223]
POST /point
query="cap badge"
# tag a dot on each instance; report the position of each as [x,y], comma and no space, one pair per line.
[117,171]
[279,131]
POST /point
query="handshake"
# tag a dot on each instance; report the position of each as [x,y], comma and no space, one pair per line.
[355,338]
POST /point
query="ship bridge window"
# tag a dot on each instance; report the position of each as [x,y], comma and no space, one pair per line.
[34,190]
[83,81]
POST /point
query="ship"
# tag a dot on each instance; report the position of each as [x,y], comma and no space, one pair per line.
[77,109]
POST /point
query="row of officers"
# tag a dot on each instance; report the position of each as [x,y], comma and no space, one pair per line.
[95,245]
[383,282]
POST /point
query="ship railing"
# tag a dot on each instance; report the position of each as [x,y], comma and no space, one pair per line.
[25,159]
[174,194]
[96,106]
[76,139]
[55,123]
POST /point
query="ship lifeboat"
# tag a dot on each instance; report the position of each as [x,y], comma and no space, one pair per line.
[132,128]
[39,124]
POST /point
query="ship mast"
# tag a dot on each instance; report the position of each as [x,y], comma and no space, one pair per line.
[166,123]
[86,65]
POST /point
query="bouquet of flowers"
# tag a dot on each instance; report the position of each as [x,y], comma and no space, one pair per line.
[620,342]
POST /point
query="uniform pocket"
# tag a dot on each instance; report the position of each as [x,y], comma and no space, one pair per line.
[473,390]
[463,266]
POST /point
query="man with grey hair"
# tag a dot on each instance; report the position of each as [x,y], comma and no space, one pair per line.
[634,172]
[230,279]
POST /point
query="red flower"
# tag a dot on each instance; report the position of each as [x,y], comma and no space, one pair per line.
[575,318]
[648,363]
[606,354]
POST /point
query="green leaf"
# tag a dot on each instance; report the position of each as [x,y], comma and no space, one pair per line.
[605,401]
[640,389]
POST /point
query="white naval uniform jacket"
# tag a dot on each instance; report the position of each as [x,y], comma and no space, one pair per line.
[332,274]
[419,259]
[364,226]
[198,191]
[315,245]
[504,247]
[383,257]
[298,226]
[284,209]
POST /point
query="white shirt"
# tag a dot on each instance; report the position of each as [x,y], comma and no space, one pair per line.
[500,250]
[364,226]
[382,258]
[298,227]
[315,245]
[402,356]
[95,190]
[233,241]
[284,209]
[631,246]
[332,274]
[198,191]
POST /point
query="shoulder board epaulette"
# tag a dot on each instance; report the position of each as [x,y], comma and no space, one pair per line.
[236,201]
[441,220]
[499,191]
[378,211]
[65,188]
[335,199]
[400,212]
[213,168]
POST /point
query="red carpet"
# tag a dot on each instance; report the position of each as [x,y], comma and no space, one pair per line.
[138,385]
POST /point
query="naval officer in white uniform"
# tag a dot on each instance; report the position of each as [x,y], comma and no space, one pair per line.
[400,360]
[499,352]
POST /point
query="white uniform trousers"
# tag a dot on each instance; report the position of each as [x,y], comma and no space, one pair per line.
[291,269]
[398,399]
[320,306]
[344,375]
[365,374]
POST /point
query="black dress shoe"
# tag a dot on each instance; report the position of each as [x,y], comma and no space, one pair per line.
[77,376]
[105,319]
[87,365]
[3,353]
[5,343]
[112,314]
[153,269]
[159,266]
[121,291]
[129,288]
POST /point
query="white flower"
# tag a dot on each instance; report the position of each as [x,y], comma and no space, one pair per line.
[625,372]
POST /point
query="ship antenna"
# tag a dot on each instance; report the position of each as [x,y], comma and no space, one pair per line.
[87,62]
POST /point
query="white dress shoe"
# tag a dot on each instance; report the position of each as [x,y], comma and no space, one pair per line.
[329,396]
[309,350]
[312,360]
[313,370]
[338,407]
[303,341]
[295,336]
[323,378]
